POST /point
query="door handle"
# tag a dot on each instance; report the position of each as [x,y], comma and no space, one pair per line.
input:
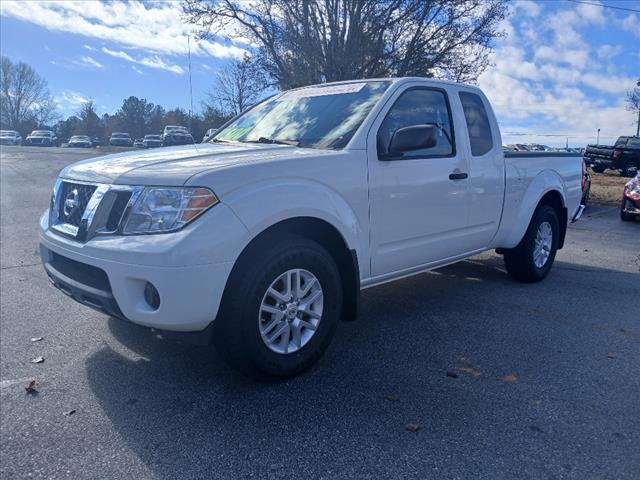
[458,176]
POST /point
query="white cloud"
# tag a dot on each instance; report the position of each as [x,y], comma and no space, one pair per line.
[69,100]
[137,70]
[528,7]
[549,82]
[90,61]
[631,24]
[154,27]
[153,61]
[607,51]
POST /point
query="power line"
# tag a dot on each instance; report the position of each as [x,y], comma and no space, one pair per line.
[603,5]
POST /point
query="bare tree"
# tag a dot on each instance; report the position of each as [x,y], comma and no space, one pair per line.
[24,96]
[89,120]
[237,87]
[300,42]
[633,104]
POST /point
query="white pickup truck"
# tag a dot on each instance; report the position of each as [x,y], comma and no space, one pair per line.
[261,239]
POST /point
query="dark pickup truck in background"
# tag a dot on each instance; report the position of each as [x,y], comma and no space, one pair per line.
[623,156]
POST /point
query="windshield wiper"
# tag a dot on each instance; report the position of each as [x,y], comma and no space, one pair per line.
[276,141]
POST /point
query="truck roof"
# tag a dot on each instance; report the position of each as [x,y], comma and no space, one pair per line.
[394,80]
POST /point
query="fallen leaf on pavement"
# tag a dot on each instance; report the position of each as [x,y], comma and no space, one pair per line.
[611,355]
[36,339]
[38,360]
[31,388]
[472,371]
[509,378]
[452,374]
[69,413]
[412,427]
[391,397]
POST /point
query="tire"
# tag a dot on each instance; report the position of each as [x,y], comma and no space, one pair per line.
[521,260]
[242,329]
[625,217]
[598,168]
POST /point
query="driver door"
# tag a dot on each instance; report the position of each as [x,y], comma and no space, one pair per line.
[419,199]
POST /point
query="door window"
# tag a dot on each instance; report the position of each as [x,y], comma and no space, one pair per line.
[419,106]
[478,124]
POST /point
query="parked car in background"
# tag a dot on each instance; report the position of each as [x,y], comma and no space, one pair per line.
[630,208]
[208,134]
[96,141]
[152,141]
[10,137]
[42,138]
[624,156]
[520,147]
[138,143]
[120,139]
[176,135]
[536,147]
[82,141]
[263,243]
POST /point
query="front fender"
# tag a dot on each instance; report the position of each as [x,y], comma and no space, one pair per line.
[521,202]
[262,204]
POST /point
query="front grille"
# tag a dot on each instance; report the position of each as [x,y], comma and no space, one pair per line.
[74,198]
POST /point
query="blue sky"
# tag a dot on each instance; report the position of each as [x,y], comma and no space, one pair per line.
[562,69]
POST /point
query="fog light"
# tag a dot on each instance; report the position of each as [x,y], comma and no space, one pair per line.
[151,296]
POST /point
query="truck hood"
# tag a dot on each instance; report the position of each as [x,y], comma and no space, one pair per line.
[173,166]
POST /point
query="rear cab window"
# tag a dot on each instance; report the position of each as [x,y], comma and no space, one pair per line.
[478,124]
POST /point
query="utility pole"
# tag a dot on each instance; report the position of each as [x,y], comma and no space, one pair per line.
[598,138]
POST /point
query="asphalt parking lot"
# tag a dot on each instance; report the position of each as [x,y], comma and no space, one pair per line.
[504,380]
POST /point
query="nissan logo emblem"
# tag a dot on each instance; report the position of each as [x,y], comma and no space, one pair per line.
[71,203]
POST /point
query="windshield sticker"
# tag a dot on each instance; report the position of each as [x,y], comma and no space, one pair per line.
[322,91]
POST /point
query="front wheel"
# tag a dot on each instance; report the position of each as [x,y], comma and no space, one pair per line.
[281,308]
[531,260]
[597,168]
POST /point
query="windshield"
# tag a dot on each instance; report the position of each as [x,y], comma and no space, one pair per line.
[120,135]
[152,137]
[177,129]
[41,133]
[8,133]
[633,142]
[323,116]
[79,137]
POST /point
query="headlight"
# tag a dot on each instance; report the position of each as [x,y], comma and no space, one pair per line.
[161,209]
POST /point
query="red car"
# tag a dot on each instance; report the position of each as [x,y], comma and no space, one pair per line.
[630,208]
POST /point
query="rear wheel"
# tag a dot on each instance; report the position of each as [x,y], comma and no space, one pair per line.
[597,168]
[281,308]
[532,259]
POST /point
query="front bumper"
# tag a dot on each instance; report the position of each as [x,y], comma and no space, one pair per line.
[189,270]
[38,142]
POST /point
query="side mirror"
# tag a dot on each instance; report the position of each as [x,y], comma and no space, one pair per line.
[415,137]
